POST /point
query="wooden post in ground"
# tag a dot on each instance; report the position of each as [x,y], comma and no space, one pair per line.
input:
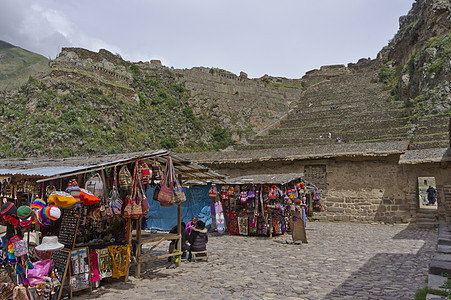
[129,242]
[138,247]
[179,228]
[179,232]
[270,223]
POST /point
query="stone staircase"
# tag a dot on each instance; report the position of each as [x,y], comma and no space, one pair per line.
[427,218]
[354,107]
[349,104]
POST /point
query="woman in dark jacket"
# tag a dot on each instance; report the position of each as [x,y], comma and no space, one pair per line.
[198,238]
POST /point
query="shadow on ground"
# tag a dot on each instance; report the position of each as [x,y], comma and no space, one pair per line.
[391,275]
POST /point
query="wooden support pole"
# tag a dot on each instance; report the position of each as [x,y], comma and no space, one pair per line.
[129,242]
[179,226]
[270,223]
[179,231]
[138,247]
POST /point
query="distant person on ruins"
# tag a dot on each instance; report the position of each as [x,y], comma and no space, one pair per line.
[330,135]
[432,195]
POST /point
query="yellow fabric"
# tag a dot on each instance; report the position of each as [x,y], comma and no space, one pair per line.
[120,256]
[62,199]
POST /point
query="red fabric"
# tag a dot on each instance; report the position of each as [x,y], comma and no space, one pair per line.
[88,198]
[233,224]
[93,266]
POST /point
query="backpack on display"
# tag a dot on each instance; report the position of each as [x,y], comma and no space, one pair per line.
[272,192]
[243,197]
[125,178]
[213,192]
[95,185]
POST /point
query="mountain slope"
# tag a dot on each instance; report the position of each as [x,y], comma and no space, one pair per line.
[17,64]
[404,94]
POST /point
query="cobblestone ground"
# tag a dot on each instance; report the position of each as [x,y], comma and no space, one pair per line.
[341,261]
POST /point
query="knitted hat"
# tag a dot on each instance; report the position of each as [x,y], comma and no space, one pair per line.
[73,189]
[24,212]
[52,212]
[38,204]
[43,220]
[9,213]
[63,199]
[8,209]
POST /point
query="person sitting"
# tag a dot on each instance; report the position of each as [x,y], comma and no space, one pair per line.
[173,244]
[191,225]
[198,239]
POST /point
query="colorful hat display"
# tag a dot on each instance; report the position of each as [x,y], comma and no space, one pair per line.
[49,243]
[42,219]
[87,197]
[51,212]
[9,213]
[73,189]
[24,212]
[8,209]
[38,204]
[62,199]
[20,247]
[48,214]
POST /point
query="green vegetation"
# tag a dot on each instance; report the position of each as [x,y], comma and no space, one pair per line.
[424,92]
[17,64]
[71,118]
[288,86]
[445,290]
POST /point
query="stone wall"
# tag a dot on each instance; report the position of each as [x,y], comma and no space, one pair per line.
[240,103]
[103,64]
[366,190]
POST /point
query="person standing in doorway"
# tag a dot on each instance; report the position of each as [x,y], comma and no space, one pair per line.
[432,195]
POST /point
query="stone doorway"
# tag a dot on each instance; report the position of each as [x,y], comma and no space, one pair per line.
[425,184]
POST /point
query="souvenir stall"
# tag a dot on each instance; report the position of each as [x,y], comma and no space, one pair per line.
[264,204]
[70,222]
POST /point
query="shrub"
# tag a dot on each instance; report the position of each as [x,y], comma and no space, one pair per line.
[169,143]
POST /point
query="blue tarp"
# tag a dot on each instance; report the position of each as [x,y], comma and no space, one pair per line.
[196,204]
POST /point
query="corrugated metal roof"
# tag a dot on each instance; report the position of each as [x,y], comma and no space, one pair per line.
[50,168]
[40,172]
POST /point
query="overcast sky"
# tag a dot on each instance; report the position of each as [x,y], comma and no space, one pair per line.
[275,37]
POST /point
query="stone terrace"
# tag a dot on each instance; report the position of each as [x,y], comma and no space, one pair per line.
[350,104]
[347,103]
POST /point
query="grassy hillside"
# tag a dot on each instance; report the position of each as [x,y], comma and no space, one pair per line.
[17,64]
[69,119]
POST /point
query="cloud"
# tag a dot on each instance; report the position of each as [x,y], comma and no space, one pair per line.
[43,30]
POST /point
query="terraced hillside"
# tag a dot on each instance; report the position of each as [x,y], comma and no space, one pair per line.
[346,102]
[431,131]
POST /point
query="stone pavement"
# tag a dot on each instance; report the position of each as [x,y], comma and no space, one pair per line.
[341,261]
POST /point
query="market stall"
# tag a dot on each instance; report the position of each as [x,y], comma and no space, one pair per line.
[266,205]
[91,208]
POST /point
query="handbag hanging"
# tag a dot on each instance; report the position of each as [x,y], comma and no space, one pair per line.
[133,209]
[179,194]
[115,199]
[95,185]
[125,178]
[166,192]
[144,202]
